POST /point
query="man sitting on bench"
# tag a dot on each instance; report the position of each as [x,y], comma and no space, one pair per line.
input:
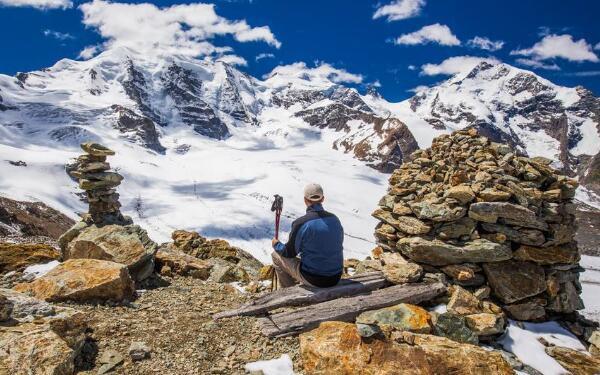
[313,255]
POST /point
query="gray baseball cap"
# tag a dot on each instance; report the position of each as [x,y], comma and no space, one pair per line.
[313,192]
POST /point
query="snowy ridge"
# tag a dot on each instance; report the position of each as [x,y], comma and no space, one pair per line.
[204,146]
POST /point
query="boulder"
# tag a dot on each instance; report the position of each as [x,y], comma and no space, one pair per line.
[401,317]
[577,363]
[183,264]
[563,254]
[82,280]
[439,253]
[49,345]
[16,257]
[337,348]
[128,245]
[513,281]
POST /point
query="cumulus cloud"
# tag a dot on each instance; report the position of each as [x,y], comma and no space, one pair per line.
[418,89]
[178,29]
[485,43]
[233,60]
[436,33]
[400,10]
[89,52]
[39,4]
[537,64]
[454,65]
[559,46]
[261,56]
[321,74]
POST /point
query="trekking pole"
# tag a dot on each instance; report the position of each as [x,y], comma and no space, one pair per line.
[276,207]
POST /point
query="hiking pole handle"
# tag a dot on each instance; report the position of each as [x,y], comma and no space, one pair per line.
[277,207]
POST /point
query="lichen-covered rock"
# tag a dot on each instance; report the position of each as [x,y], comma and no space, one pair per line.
[490,212]
[16,257]
[401,317]
[485,324]
[562,254]
[454,327]
[337,348]
[82,280]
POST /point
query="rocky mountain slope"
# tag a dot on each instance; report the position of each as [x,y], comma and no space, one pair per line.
[200,140]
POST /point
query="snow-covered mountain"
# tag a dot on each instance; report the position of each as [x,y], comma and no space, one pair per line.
[203,145]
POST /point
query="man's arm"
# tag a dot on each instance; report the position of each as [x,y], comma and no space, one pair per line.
[292,248]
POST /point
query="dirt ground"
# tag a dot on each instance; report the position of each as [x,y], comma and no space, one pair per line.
[175,322]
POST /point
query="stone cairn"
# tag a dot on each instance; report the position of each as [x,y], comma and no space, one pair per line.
[99,183]
[494,224]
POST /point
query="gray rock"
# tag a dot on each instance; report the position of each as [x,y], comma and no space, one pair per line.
[513,281]
[439,253]
[139,350]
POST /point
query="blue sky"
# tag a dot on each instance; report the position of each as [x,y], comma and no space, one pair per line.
[554,38]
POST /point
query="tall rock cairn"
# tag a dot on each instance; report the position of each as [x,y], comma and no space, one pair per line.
[99,183]
[487,219]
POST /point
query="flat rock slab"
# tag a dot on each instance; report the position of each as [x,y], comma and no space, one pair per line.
[439,253]
[513,281]
[82,280]
[16,257]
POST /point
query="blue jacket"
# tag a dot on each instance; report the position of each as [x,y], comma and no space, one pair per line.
[317,238]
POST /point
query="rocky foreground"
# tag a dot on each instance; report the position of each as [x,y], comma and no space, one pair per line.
[105,298]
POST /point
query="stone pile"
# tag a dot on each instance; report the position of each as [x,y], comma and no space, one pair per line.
[99,183]
[498,226]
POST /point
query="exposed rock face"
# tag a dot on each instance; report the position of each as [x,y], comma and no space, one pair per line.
[486,216]
[139,129]
[577,363]
[128,245]
[337,348]
[185,89]
[82,280]
[31,219]
[16,257]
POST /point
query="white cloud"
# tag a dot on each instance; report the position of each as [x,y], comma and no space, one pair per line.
[233,60]
[537,64]
[589,73]
[418,89]
[261,56]
[435,33]
[376,84]
[89,52]
[412,67]
[597,46]
[178,29]
[485,43]
[58,35]
[455,65]
[40,4]
[400,10]
[322,74]
[563,46]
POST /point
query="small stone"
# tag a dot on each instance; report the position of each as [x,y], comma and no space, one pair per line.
[455,328]
[96,149]
[485,324]
[110,359]
[493,195]
[6,308]
[138,351]
[367,330]
[528,311]
[462,193]
[463,302]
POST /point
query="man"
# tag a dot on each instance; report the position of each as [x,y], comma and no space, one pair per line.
[317,239]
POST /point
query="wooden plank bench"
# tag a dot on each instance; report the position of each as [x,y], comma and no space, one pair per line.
[305,295]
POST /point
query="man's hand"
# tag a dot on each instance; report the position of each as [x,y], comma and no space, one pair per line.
[274,241]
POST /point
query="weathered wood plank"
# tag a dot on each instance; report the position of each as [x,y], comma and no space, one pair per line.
[346,309]
[303,295]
